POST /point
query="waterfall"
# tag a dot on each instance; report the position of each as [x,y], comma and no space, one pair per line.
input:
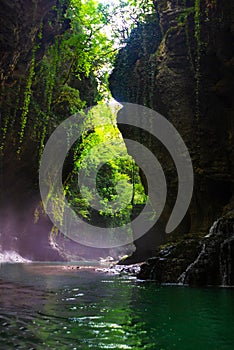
[214,264]
[227,262]
[11,256]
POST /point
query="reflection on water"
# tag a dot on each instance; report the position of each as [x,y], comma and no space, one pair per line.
[49,307]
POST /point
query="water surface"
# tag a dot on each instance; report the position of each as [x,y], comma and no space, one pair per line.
[49,307]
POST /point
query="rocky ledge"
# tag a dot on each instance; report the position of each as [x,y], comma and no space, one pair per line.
[194,262]
[114,269]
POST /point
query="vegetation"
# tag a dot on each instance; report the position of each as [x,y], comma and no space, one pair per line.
[183,20]
[27,99]
[129,14]
[118,182]
[72,75]
[89,53]
[64,76]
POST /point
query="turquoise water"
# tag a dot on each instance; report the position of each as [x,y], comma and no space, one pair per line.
[48,307]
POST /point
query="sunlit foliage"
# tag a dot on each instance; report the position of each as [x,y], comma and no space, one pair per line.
[102,153]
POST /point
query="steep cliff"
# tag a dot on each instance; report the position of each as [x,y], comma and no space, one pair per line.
[214,264]
[32,78]
[21,21]
[187,76]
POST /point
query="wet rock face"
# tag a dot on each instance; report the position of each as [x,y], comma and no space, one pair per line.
[215,263]
[131,78]
[227,262]
[20,22]
[196,263]
[30,27]
[189,80]
[171,261]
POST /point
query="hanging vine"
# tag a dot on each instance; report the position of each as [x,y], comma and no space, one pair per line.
[4,126]
[4,129]
[27,99]
[50,82]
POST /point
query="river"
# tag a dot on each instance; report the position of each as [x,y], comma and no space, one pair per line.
[46,306]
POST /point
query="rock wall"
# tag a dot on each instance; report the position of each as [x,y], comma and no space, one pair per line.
[186,74]
[214,264]
[209,261]
[29,27]
[20,24]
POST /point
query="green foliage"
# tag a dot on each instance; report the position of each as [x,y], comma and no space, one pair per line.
[80,59]
[86,46]
[197,19]
[183,20]
[27,99]
[69,100]
[114,182]
[82,54]
[52,58]
[183,17]
[40,32]
[124,16]
[4,129]
[4,124]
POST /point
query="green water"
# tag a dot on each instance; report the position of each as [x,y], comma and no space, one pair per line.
[44,307]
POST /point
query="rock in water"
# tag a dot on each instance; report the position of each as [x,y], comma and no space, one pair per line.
[215,263]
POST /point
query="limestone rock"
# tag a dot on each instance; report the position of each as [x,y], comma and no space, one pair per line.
[188,77]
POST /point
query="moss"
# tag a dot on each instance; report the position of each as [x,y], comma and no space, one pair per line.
[197,19]
[183,16]
[4,126]
[40,32]
[4,129]
[27,99]
[183,20]
[188,45]
[50,82]
[17,104]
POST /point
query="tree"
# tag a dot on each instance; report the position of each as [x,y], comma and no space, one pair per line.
[122,17]
[86,46]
